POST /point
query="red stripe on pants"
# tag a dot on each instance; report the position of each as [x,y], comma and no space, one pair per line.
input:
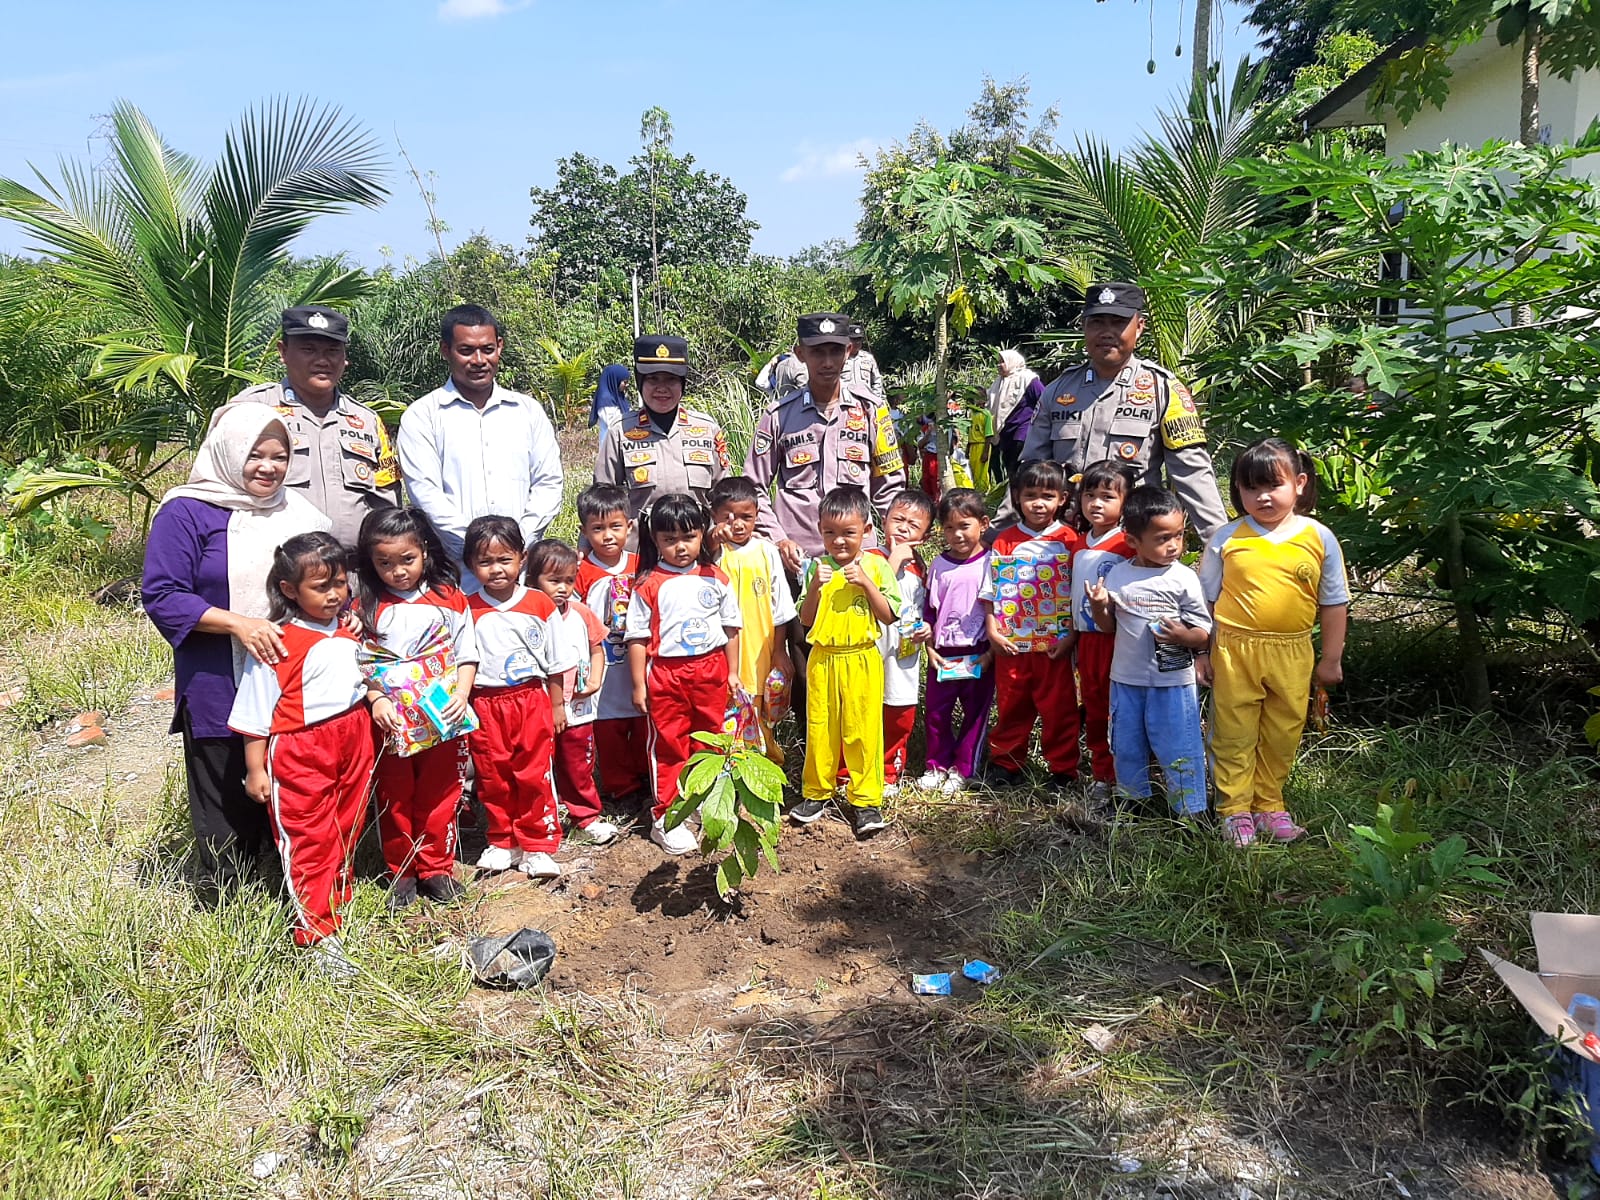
[1094,689]
[619,744]
[417,799]
[575,773]
[1034,687]
[511,753]
[321,777]
[687,695]
[898,722]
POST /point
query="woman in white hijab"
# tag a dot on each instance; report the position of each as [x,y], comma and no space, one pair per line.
[1013,398]
[205,589]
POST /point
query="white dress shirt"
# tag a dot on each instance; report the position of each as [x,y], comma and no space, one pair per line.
[461,462]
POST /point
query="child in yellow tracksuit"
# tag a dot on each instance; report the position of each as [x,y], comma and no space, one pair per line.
[1268,576]
[848,597]
[755,570]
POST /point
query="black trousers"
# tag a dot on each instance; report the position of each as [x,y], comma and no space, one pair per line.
[230,829]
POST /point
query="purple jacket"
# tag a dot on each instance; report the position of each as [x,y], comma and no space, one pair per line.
[185,573]
[1021,417]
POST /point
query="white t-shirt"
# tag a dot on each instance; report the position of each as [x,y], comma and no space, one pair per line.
[902,673]
[1146,594]
[516,641]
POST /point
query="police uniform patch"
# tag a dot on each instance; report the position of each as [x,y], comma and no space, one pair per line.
[801,458]
[636,435]
[699,458]
[635,457]
[1180,424]
[641,475]
[361,471]
[355,420]
[284,410]
[856,423]
[854,452]
[1127,450]
[763,443]
[1144,381]
[697,431]
[720,445]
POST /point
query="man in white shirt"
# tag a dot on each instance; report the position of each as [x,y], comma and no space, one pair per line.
[472,448]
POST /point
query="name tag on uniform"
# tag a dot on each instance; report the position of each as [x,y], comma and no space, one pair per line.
[1133,412]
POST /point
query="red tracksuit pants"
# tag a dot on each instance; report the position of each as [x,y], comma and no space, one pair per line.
[511,753]
[1094,689]
[321,777]
[898,722]
[687,695]
[619,744]
[417,799]
[1035,687]
[575,773]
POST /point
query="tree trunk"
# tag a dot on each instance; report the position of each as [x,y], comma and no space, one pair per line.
[1202,45]
[1469,630]
[941,402]
[1522,314]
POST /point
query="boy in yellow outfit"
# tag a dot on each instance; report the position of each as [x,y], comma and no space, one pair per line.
[848,597]
[754,568]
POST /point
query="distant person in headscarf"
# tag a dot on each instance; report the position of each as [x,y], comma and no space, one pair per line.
[610,402]
[1013,399]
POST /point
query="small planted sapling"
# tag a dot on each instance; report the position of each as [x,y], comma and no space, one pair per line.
[738,792]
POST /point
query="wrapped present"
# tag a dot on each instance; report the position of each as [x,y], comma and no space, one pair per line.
[415,685]
[1032,598]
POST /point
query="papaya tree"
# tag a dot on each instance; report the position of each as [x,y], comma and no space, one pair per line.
[1475,436]
[941,256]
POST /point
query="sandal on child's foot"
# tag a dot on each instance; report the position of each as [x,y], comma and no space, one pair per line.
[1239,829]
[1279,826]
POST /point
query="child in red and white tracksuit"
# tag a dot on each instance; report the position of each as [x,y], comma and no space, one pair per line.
[553,569]
[906,526]
[1101,491]
[1037,686]
[605,584]
[683,646]
[517,689]
[409,596]
[309,739]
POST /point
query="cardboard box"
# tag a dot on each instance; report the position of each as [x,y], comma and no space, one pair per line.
[1568,947]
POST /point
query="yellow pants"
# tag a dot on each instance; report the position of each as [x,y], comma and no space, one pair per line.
[755,664]
[844,715]
[1258,712]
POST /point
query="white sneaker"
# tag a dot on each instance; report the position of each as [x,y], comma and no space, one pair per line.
[536,864]
[597,832]
[681,840]
[498,858]
[891,790]
[953,784]
[931,780]
[330,959]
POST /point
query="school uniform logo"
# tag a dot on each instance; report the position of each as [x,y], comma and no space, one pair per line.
[707,597]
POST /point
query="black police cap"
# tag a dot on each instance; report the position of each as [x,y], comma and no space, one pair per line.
[659,354]
[1118,299]
[313,320]
[858,331]
[817,329]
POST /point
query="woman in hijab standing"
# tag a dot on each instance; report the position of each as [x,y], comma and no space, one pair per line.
[1014,398]
[205,589]
[610,402]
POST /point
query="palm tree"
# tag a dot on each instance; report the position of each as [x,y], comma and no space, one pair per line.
[179,253]
[566,379]
[1153,209]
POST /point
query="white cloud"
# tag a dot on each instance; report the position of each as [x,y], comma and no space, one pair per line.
[473,10]
[825,162]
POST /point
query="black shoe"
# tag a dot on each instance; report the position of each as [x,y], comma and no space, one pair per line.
[998,776]
[867,820]
[402,894]
[1065,781]
[441,889]
[807,811]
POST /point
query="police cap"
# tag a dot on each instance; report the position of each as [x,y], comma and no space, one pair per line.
[1118,299]
[660,354]
[313,320]
[818,329]
[858,331]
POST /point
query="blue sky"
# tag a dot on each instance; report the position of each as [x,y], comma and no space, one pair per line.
[779,97]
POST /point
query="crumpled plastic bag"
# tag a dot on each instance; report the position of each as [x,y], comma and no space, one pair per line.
[512,960]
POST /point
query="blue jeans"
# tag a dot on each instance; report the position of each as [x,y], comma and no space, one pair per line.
[1164,721]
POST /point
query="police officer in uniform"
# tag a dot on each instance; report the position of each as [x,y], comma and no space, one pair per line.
[341,459]
[1120,406]
[814,440]
[666,446]
[861,371]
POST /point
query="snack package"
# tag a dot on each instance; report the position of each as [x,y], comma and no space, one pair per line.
[406,681]
[1032,598]
[776,695]
[614,614]
[741,720]
[432,702]
[961,666]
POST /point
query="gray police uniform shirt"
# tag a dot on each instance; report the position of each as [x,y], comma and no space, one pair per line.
[344,462]
[861,374]
[807,455]
[1144,417]
[1142,595]
[642,460]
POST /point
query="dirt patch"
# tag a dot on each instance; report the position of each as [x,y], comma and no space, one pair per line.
[843,923]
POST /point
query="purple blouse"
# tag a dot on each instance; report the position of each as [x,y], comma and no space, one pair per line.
[1021,417]
[958,619]
[185,573]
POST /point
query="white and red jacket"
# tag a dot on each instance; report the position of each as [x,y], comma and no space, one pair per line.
[604,590]
[517,638]
[579,633]
[1090,565]
[682,612]
[318,679]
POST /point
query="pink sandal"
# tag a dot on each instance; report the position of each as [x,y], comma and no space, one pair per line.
[1239,829]
[1279,826]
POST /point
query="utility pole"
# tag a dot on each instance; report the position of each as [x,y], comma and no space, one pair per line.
[637,332]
